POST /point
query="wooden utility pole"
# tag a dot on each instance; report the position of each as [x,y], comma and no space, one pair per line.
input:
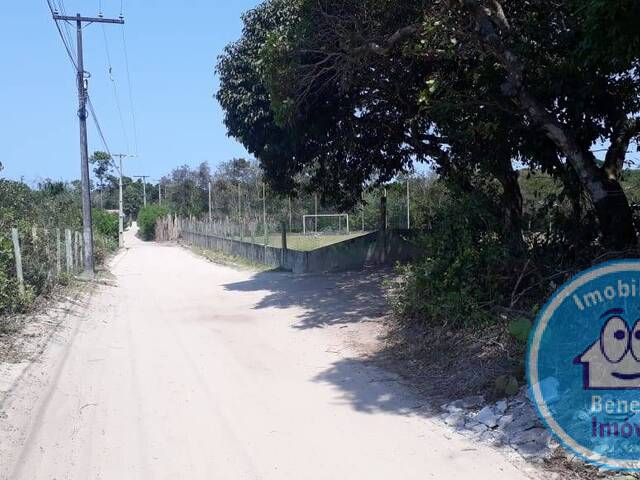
[144,186]
[87,228]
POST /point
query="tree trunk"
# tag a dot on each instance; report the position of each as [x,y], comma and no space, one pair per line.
[511,206]
[609,200]
[616,217]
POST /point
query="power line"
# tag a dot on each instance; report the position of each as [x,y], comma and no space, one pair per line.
[96,122]
[131,105]
[65,42]
[115,88]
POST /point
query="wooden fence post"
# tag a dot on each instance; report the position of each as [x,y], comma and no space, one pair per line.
[67,237]
[58,253]
[18,256]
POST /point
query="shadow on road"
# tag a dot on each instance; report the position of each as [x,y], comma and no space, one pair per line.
[436,363]
[370,389]
[328,299]
[373,383]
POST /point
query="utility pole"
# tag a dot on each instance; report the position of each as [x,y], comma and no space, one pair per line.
[87,227]
[144,187]
[408,206]
[121,200]
[264,212]
[315,200]
[160,192]
[239,204]
[210,212]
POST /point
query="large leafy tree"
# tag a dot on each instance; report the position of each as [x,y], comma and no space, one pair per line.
[354,91]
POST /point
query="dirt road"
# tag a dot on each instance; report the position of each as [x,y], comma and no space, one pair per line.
[188,370]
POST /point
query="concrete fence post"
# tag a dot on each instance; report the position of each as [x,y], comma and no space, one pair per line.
[58,253]
[69,250]
[18,257]
[81,250]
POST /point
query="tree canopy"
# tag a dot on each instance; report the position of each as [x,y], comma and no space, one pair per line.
[355,92]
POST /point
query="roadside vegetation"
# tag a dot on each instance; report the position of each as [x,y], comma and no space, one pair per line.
[37,213]
[525,112]
[147,218]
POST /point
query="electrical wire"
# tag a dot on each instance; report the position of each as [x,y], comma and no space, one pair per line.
[100,132]
[67,29]
[131,104]
[115,89]
[67,47]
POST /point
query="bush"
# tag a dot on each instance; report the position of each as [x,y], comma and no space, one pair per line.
[466,271]
[105,223]
[147,218]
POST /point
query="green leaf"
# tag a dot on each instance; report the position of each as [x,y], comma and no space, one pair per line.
[520,329]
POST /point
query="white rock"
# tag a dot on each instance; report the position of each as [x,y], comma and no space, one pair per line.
[501,406]
[488,417]
[505,420]
[455,420]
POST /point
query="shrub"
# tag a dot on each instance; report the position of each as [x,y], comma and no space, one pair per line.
[147,218]
[105,223]
[467,268]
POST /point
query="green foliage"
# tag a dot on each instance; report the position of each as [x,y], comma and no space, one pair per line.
[610,34]
[105,223]
[519,328]
[466,269]
[507,385]
[147,220]
[54,205]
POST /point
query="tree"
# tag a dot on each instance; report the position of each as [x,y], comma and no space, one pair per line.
[356,91]
[102,163]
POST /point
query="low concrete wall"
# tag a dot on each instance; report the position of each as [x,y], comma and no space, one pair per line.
[373,249]
[368,250]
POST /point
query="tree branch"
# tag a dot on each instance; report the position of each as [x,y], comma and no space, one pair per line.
[384,48]
[582,161]
[614,161]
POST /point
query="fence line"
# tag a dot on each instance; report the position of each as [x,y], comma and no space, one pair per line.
[35,268]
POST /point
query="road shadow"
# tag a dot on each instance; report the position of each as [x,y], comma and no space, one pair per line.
[327,299]
[366,386]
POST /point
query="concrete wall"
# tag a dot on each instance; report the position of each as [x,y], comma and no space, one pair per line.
[368,250]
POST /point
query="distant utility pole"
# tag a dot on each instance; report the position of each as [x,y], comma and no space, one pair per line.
[120,156]
[160,191]
[239,204]
[87,228]
[408,206]
[315,201]
[144,187]
[210,212]
[264,213]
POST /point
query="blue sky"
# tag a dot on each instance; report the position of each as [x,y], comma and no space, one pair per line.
[172,48]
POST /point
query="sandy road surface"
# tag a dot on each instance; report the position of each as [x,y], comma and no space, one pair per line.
[188,370]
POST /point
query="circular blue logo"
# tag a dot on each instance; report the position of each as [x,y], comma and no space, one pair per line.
[583,365]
